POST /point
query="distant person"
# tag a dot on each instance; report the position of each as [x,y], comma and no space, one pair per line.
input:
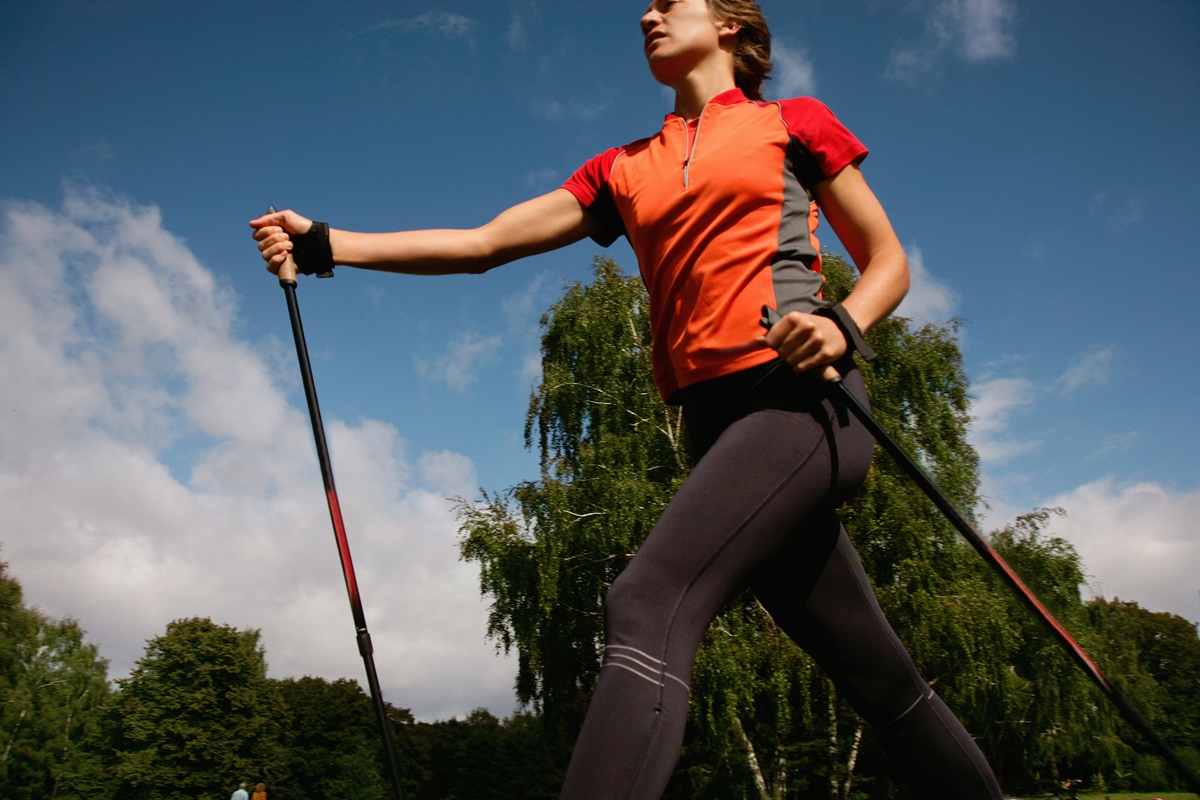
[720,209]
[240,793]
[260,793]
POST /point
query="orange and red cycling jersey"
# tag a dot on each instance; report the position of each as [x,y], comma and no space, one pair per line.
[720,212]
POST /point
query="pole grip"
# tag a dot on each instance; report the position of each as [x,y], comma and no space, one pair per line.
[287,272]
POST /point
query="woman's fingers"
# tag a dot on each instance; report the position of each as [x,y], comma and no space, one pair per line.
[288,220]
[272,231]
[806,341]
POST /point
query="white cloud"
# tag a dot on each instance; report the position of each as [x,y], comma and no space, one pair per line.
[998,399]
[1120,211]
[117,345]
[544,178]
[521,309]
[96,150]
[980,28]
[793,74]
[972,30]
[515,35]
[570,111]
[1118,443]
[1138,542]
[928,298]
[1092,368]
[995,401]
[442,23]
[457,365]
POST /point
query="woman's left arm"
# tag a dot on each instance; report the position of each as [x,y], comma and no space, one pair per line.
[858,219]
[808,341]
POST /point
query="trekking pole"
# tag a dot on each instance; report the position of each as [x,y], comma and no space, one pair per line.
[287,279]
[1128,710]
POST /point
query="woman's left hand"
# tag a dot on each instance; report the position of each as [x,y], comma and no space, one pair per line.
[806,341]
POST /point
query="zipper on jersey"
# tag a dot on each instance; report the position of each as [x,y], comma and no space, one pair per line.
[690,148]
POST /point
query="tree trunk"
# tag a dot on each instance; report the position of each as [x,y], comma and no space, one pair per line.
[760,783]
[834,791]
[851,760]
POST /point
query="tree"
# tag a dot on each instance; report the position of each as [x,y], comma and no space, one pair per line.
[53,686]
[198,714]
[332,740]
[482,756]
[1056,728]
[611,457]
[1155,658]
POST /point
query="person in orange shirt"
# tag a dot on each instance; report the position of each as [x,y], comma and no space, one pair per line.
[260,793]
[719,209]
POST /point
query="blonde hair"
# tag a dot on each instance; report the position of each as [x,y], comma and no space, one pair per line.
[752,54]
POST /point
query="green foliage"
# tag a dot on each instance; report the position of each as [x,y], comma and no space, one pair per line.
[482,756]
[1154,657]
[331,741]
[1055,727]
[198,713]
[53,686]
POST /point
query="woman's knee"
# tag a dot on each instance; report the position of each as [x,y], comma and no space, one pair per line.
[629,603]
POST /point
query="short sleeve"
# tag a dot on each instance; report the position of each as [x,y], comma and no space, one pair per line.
[831,145]
[589,184]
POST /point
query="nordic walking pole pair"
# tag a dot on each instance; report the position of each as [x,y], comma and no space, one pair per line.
[1128,710]
[287,279]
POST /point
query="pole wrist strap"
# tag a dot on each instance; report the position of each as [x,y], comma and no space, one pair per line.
[311,251]
[849,328]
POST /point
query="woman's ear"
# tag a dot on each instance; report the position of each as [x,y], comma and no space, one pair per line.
[727,29]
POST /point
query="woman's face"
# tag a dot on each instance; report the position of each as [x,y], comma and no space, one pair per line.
[678,34]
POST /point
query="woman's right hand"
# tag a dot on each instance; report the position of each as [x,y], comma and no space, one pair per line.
[272,231]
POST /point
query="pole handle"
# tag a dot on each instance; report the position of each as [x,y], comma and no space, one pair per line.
[287,272]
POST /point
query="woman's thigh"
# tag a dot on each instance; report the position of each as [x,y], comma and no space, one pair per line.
[751,496]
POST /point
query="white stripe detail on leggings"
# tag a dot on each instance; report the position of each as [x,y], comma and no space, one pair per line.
[646,667]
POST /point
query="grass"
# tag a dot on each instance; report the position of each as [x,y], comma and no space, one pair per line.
[1129,796]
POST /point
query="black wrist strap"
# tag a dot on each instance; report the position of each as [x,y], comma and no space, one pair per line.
[849,328]
[311,251]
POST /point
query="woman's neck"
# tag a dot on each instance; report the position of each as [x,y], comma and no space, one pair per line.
[698,87]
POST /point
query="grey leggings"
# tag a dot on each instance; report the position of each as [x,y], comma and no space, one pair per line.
[757,511]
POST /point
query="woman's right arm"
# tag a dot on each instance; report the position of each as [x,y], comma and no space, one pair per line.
[544,223]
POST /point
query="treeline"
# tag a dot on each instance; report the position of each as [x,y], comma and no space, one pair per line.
[198,714]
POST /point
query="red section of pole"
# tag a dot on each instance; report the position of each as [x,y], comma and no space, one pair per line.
[343,544]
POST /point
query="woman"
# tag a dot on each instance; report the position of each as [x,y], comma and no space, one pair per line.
[260,792]
[718,209]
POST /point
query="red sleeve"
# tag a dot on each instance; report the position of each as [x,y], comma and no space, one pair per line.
[589,184]
[831,144]
[588,180]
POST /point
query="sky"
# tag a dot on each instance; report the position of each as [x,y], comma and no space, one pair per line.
[1039,161]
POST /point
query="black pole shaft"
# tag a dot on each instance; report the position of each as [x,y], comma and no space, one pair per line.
[1128,710]
[339,531]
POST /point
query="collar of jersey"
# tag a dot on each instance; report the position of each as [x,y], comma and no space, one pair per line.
[727,98]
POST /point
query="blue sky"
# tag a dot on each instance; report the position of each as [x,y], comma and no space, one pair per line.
[1039,161]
